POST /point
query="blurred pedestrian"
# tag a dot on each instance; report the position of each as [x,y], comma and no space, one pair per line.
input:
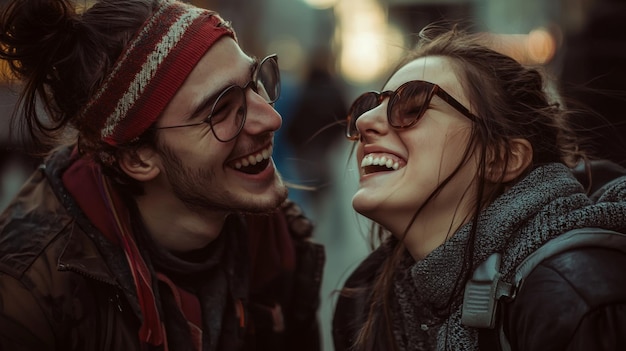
[314,129]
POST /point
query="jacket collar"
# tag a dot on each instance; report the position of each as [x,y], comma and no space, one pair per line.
[102,215]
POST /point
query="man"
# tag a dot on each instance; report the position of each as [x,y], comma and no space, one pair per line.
[164,225]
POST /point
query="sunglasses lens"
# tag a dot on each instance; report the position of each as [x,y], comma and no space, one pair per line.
[361,105]
[268,79]
[409,103]
[406,105]
[228,113]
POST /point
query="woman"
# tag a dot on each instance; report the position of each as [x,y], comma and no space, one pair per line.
[463,155]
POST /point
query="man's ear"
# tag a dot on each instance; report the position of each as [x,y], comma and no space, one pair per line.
[520,158]
[140,164]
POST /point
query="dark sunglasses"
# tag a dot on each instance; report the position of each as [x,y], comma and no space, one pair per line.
[228,113]
[407,105]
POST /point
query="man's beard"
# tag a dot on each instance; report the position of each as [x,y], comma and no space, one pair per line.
[191,186]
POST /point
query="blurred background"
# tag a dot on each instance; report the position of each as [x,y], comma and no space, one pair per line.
[330,51]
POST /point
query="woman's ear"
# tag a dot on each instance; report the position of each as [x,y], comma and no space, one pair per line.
[520,158]
[140,164]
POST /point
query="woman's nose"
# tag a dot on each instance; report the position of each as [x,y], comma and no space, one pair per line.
[374,121]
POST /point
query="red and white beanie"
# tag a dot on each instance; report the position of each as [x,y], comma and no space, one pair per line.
[151,69]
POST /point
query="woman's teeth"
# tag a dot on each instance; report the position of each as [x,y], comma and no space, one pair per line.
[253,159]
[385,161]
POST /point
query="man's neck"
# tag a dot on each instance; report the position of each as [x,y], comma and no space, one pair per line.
[174,226]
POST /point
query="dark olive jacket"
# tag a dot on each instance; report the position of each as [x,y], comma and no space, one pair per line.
[62,285]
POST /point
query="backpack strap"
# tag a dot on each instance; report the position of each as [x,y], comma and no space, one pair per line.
[485,289]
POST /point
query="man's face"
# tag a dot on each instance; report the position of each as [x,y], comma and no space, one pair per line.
[203,172]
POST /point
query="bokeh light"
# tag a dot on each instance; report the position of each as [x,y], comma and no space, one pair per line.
[321,4]
[368,42]
[541,46]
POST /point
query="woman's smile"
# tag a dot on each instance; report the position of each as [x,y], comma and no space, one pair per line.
[381,162]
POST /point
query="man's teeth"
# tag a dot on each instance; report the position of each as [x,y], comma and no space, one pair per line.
[254,158]
[379,161]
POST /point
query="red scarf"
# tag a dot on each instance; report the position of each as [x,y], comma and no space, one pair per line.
[106,210]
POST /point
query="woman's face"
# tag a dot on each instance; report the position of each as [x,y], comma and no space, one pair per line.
[426,154]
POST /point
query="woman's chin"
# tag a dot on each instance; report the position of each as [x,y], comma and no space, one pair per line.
[367,208]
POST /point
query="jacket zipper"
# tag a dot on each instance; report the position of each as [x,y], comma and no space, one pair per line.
[114,301]
[108,335]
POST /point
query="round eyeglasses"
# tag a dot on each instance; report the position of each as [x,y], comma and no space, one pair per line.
[407,105]
[228,113]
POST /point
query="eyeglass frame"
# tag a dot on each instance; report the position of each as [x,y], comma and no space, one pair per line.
[392,95]
[252,84]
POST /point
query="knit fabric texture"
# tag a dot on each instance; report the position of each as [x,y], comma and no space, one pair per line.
[547,203]
[150,70]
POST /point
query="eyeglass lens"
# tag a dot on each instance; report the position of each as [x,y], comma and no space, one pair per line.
[268,79]
[228,114]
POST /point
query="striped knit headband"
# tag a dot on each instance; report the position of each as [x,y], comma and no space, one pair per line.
[151,69]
